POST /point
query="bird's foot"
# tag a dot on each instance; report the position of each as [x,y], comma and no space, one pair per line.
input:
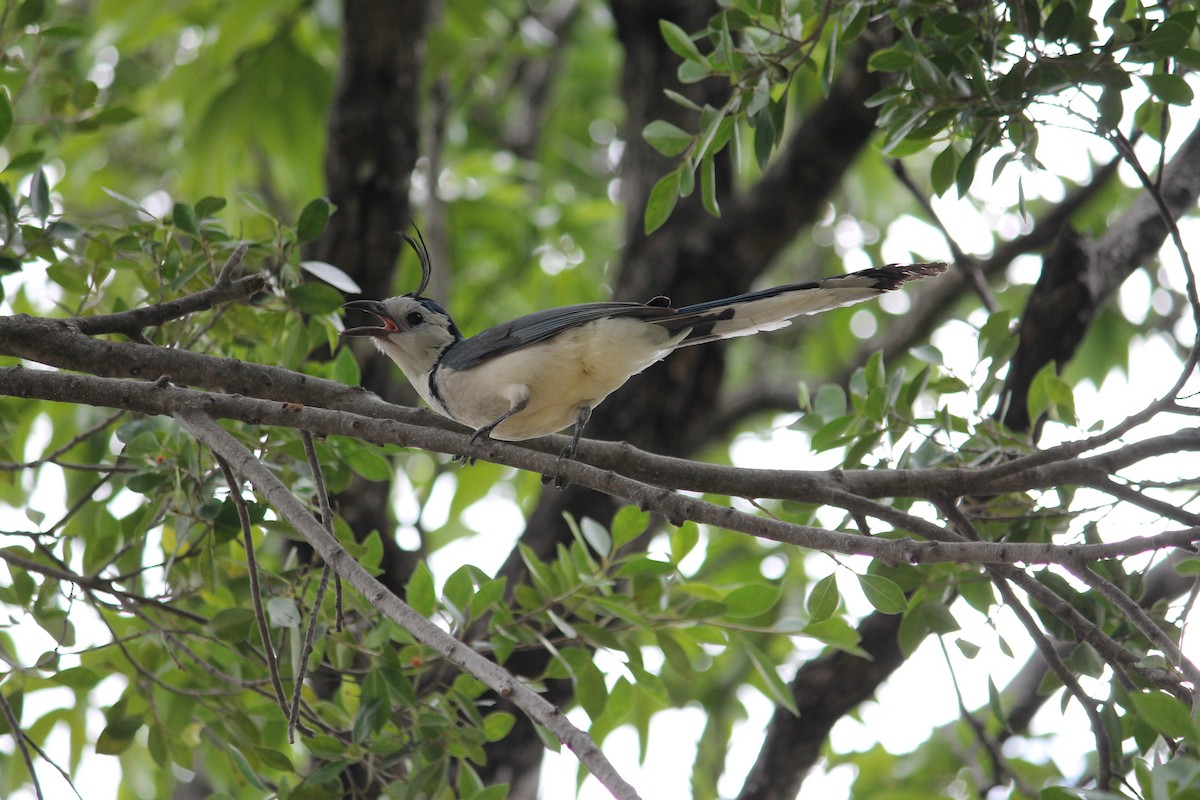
[559,480]
[482,433]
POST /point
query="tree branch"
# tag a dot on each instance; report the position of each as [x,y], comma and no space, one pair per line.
[135,320]
[165,399]
[213,436]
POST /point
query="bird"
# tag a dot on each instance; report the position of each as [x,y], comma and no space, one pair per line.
[548,370]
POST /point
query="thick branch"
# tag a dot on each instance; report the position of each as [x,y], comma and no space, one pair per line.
[161,398]
[59,343]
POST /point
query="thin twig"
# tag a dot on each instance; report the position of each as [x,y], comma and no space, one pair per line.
[103,585]
[232,265]
[1000,767]
[264,633]
[310,632]
[314,467]
[1119,659]
[1104,774]
[963,261]
[14,727]
[133,321]
[1138,617]
[52,457]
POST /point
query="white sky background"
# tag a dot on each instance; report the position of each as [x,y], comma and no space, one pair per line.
[919,696]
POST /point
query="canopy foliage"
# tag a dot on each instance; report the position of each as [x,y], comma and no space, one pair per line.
[189,472]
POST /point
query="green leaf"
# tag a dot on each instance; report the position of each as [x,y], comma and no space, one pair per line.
[1166,714]
[39,195]
[823,600]
[244,767]
[885,595]
[996,703]
[968,649]
[683,539]
[776,689]
[921,620]
[282,613]
[232,624]
[76,678]
[275,759]
[668,139]
[497,725]
[184,218]
[662,199]
[31,12]
[628,524]
[1050,395]
[597,536]
[751,600]
[1170,88]
[315,298]
[892,59]
[834,433]
[313,219]
[830,401]
[498,791]
[208,206]
[6,115]
[345,368]
[113,115]
[679,41]
[941,173]
[1171,36]
[875,372]
[25,160]
[419,592]
[682,100]
[953,24]
[708,186]
[836,633]
[118,735]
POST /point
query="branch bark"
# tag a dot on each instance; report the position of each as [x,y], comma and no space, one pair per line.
[940,547]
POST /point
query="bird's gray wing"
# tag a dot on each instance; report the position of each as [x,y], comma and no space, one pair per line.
[540,326]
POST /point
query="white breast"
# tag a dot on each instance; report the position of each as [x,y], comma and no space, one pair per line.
[580,366]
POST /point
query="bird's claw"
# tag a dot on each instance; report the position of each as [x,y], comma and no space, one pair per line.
[560,481]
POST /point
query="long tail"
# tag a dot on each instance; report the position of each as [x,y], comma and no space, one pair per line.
[774,308]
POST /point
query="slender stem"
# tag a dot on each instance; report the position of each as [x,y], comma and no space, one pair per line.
[1044,646]
[14,727]
[310,632]
[264,633]
[314,467]
[1139,618]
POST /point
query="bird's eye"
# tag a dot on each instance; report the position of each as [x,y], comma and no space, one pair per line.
[414,318]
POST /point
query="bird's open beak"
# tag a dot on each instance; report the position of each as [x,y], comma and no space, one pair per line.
[371,307]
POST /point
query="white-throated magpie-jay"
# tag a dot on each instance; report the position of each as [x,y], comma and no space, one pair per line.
[545,371]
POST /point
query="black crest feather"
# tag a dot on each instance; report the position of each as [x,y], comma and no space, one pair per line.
[417,243]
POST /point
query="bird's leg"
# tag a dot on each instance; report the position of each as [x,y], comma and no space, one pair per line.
[568,453]
[486,431]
